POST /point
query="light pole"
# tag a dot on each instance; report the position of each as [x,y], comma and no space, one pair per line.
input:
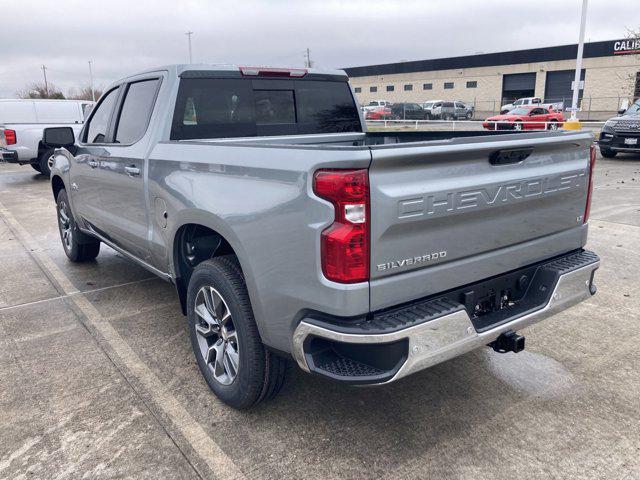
[188,34]
[576,82]
[46,85]
[93,92]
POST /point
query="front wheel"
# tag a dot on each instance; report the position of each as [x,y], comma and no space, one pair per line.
[78,246]
[607,153]
[225,339]
[469,115]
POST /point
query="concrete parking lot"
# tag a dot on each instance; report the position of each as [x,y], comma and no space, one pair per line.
[97,377]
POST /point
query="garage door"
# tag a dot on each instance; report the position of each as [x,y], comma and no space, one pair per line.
[558,87]
[518,85]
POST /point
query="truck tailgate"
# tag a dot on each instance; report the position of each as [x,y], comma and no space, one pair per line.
[454,212]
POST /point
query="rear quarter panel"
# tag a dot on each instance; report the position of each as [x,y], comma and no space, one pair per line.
[260,199]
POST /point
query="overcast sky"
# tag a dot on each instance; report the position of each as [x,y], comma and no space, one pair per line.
[123,36]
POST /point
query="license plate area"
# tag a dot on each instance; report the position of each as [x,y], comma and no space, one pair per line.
[630,141]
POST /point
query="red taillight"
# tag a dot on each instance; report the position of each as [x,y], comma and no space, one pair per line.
[592,164]
[273,72]
[10,137]
[345,243]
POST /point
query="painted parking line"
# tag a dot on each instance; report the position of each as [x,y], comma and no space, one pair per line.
[209,451]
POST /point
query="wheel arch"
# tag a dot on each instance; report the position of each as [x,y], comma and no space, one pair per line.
[192,243]
[57,184]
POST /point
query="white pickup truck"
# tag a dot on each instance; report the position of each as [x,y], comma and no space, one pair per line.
[22,122]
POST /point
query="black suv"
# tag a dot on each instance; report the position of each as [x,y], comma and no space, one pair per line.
[621,134]
[408,111]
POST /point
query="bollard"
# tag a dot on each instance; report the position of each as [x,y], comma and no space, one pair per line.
[572,124]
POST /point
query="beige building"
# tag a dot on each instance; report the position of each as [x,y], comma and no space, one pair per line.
[611,78]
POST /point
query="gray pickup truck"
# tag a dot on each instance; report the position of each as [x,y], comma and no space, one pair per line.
[290,232]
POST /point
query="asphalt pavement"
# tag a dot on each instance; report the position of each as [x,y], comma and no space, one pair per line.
[97,377]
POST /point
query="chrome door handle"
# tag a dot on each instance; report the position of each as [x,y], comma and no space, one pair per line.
[132,171]
[92,163]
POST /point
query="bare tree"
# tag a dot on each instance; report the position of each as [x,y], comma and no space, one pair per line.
[39,90]
[84,93]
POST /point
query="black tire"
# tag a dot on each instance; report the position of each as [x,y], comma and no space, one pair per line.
[259,373]
[78,246]
[553,125]
[36,167]
[469,115]
[607,153]
[43,161]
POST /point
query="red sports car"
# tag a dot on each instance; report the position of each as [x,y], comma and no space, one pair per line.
[379,113]
[532,117]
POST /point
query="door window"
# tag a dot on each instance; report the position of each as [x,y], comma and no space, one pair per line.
[99,123]
[136,111]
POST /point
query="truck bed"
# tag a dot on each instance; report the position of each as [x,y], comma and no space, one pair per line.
[451,208]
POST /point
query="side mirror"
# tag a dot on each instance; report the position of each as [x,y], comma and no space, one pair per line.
[58,137]
[622,110]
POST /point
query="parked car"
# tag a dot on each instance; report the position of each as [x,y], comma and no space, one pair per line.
[521,102]
[452,111]
[622,133]
[526,118]
[408,111]
[22,122]
[291,232]
[380,113]
[374,104]
[428,106]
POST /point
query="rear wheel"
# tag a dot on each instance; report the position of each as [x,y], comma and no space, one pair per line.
[225,339]
[607,153]
[45,162]
[78,246]
[553,125]
[517,126]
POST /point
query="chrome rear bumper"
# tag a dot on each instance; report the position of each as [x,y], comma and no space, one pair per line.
[452,334]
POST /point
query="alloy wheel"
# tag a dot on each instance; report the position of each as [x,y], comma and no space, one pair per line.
[66,230]
[217,336]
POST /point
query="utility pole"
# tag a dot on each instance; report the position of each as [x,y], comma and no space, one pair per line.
[307,62]
[188,34]
[46,85]
[93,93]
[576,82]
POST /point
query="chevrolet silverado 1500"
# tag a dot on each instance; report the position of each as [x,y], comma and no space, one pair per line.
[290,232]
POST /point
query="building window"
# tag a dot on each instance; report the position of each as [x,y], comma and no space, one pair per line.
[448,85]
[472,84]
[427,86]
[636,93]
[373,89]
[408,88]
[358,89]
[390,88]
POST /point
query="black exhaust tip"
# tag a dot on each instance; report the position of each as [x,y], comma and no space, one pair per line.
[509,341]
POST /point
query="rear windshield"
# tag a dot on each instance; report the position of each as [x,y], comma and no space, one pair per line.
[244,107]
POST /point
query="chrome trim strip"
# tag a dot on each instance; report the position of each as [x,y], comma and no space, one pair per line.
[452,335]
[142,263]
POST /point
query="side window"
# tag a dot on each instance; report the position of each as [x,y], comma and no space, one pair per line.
[136,111]
[97,128]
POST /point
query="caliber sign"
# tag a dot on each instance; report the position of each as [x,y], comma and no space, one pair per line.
[626,47]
